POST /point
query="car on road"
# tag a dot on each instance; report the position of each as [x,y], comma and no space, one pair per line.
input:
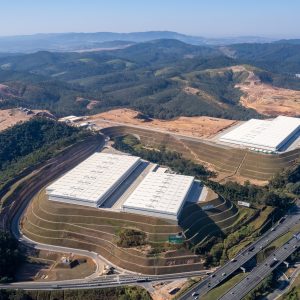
[195,294]
[282,220]
[224,274]
[233,260]
[213,275]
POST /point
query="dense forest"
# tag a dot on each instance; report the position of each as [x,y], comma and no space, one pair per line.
[10,257]
[27,144]
[151,77]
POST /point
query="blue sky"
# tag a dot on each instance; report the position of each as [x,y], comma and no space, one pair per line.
[210,18]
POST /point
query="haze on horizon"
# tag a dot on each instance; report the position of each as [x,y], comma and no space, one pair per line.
[214,18]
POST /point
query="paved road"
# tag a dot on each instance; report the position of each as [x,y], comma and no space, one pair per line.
[58,166]
[222,273]
[175,135]
[102,281]
[262,271]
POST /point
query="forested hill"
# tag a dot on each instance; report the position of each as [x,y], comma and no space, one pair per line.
[162,78]
[27,137]
[279,57]
[33,142]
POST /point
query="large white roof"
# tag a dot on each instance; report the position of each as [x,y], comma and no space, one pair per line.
[160,192]
[264,134]
[93,178]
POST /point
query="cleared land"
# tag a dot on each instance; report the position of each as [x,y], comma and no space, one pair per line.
[267,99]
[190,126]
[48,266]
[10,117]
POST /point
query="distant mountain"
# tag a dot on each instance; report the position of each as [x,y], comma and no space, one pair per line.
[83,41]
[105,40]
[281,57]
[291,41]
[162,78]
[238,40]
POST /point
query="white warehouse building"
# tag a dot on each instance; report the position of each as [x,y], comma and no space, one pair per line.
[266,135]
[94,180]
[160,195]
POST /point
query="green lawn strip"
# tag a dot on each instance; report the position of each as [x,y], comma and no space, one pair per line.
[262,218]
[233,251]
[217,292]
[281,240]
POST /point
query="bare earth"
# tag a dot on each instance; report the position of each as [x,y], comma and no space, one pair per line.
[161,290]
[267,99]
[203,127]
[46,267]
[10,117]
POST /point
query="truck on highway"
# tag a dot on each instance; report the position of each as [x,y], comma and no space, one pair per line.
[273,263]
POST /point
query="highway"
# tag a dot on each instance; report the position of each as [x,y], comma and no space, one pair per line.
[102,281]
[262,270]
[222,273]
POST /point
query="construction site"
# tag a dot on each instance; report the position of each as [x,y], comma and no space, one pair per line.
[166,230]
[238,163]
[165,235]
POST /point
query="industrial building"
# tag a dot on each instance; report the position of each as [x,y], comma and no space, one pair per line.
[264,135]
[94,180]
[160,195]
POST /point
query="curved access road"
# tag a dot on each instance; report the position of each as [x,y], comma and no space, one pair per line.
[41,177]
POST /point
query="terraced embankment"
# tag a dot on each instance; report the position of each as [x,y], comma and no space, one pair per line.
[225,160]
[97,230]
[22,191]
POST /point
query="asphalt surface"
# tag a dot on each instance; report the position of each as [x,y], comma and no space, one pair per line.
[262,271]
[222,273]
[102,281]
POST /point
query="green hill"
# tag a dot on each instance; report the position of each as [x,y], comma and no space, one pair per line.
[154,77]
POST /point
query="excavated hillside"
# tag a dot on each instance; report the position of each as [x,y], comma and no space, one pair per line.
[227,162]
[97,230]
